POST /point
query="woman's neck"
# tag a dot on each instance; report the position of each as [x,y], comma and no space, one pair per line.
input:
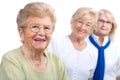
[38,60]
[32,54]
[79,44]
[101,40]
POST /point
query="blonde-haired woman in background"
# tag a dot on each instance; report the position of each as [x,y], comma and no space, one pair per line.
[73,49]
[107,54]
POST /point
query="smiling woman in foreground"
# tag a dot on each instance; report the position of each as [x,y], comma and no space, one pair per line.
[36,23]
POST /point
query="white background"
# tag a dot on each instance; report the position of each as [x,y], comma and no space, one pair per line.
[9,38]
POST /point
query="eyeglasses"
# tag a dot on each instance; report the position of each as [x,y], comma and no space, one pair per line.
[88,25]
[103,21]
[36,28]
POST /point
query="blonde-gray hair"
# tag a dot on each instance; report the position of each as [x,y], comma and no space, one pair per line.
[35,9]
[82,11]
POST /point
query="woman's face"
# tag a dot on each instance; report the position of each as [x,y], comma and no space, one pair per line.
[37,33]
[104,25]
[82,27]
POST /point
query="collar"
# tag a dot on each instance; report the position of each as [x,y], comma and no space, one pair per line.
[96,38]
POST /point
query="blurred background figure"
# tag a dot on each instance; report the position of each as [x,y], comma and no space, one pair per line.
[73,49]
[107,54]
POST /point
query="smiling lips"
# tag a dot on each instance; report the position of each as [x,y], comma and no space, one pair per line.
[39,40]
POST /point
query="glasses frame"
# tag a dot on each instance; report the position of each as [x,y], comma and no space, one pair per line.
[36,28]
[105,22]
[87,24]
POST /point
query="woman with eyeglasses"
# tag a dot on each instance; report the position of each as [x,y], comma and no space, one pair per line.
[73,49]
[107,53]
[36,22]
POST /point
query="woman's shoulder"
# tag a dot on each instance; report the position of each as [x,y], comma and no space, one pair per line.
[59,39]
[51,54]
[55,59]
[12,54]
[56,43]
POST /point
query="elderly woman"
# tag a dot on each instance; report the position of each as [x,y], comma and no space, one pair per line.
[107,54]
[36,23]
[73,49]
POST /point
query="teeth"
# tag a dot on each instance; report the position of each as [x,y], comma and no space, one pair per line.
[39,40]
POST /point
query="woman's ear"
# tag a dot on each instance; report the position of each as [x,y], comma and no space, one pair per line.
[20,30]
[72,24]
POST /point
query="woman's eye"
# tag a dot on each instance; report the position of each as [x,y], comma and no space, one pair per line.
[35,26]
[108,22]
[80,22]
[89,25]
[47,28]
